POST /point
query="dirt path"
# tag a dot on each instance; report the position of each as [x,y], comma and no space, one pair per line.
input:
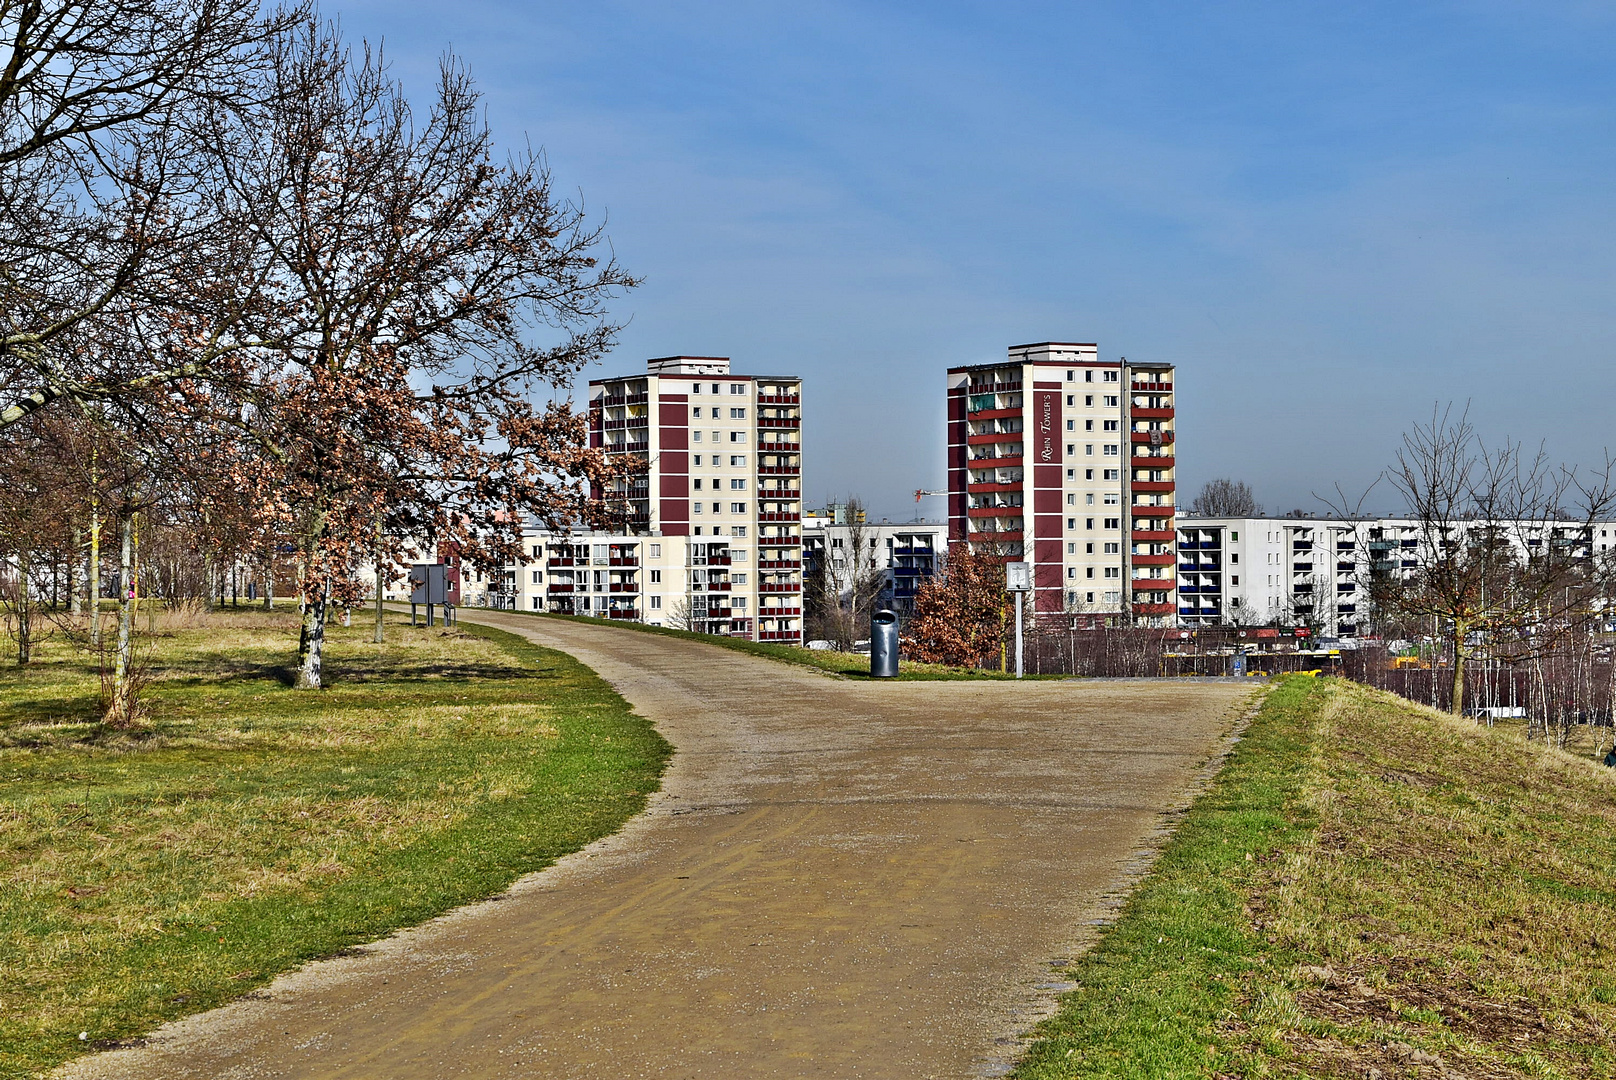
[840,879]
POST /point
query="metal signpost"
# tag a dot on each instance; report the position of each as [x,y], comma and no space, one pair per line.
[1018,579]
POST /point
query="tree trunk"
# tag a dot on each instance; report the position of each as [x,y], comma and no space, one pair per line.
[22,608]
[380,632]
[311,641]
[119,710]
[93,585]
[1459,635]
[74,607]
[269,589]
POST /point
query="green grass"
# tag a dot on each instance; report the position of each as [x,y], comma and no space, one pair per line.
[247,827]
[1367,889]
[845,664]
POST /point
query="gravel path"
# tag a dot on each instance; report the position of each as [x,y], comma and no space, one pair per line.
[840,879]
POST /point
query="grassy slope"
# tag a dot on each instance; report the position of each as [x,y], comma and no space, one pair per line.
[850,665]
[250,828]
[1368,889]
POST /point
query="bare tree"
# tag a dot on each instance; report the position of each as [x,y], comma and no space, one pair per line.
[1505,560]
[1224,497]
[105,188]
[844,588]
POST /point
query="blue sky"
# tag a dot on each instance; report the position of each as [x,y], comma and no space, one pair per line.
[1330,216]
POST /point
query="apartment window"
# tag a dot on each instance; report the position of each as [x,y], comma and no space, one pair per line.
[1113,425]
[1088,449]
[1088,474]
[1113,474]
[1113,571]
[1088,500]
[1091,571]
[738,554]
[736,508]
[1071,399]
[1113,400]
[737,414]
[1088,523]
[537,601]
[738,579]
[715,388]
[738,460]
[656,577]
[536,578]
[1113,523]
[697,484]
[718,508]
[1070,375]
[696,508]
[696,412]
[1090,599]
[656,603]
[695,436]
[697,460]
[1071,500]
[734,436]
[1088,425]
[1234,579]
[1113,549]
[1088,548]
[1071,571]
[738,603]
[1071,425]
[1234,558]
[1110,449]
[656,551]
[1071,549]
[1113,499]
[1110,376]
[836,541]
[538,549]
[739,530]
[737,485]
[1088,376]
[695,388]
[1234,537]
[1071,523]
[1088,400]
[1071,448]
[1071,474]
[737,388]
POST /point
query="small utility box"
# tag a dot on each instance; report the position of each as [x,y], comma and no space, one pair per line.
[1018,580]
[883,645]
[429,585]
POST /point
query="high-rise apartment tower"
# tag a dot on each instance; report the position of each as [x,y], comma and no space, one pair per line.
[1066,461]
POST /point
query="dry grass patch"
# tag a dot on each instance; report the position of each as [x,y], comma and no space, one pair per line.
[248,827]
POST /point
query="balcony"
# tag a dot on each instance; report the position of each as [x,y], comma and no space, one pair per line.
[996,511]
[993,413]
[779,564]
[1153,485]
[1153,609]
[1165,559]
[989,488]
[1166,461]
[779,448]
[994,388]
[716,586]
[617,561]
[624,399]
[779,470]
[1162,536]
[780,493]
[779,635]
[623,586]
[1151,414]
[1016,437]
[623,613]
[781,515]
[780,587]
[778,612]
[1165,437]
[558,560]
[790,423]
[562,588]
[1151,584]
[779,541]
[1153,387]
[627,447]
[779,399]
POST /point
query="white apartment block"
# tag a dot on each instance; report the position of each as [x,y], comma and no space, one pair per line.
[905,554]
[1064,460]
[1312,571]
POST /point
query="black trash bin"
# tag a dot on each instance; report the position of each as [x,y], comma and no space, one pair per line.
[883,645]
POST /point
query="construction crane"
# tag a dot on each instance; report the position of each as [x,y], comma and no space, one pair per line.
[921,493]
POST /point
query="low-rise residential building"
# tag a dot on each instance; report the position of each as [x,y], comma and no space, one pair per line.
[896,556]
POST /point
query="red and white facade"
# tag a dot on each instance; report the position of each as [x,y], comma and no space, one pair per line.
[1064,460]
[717,479]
